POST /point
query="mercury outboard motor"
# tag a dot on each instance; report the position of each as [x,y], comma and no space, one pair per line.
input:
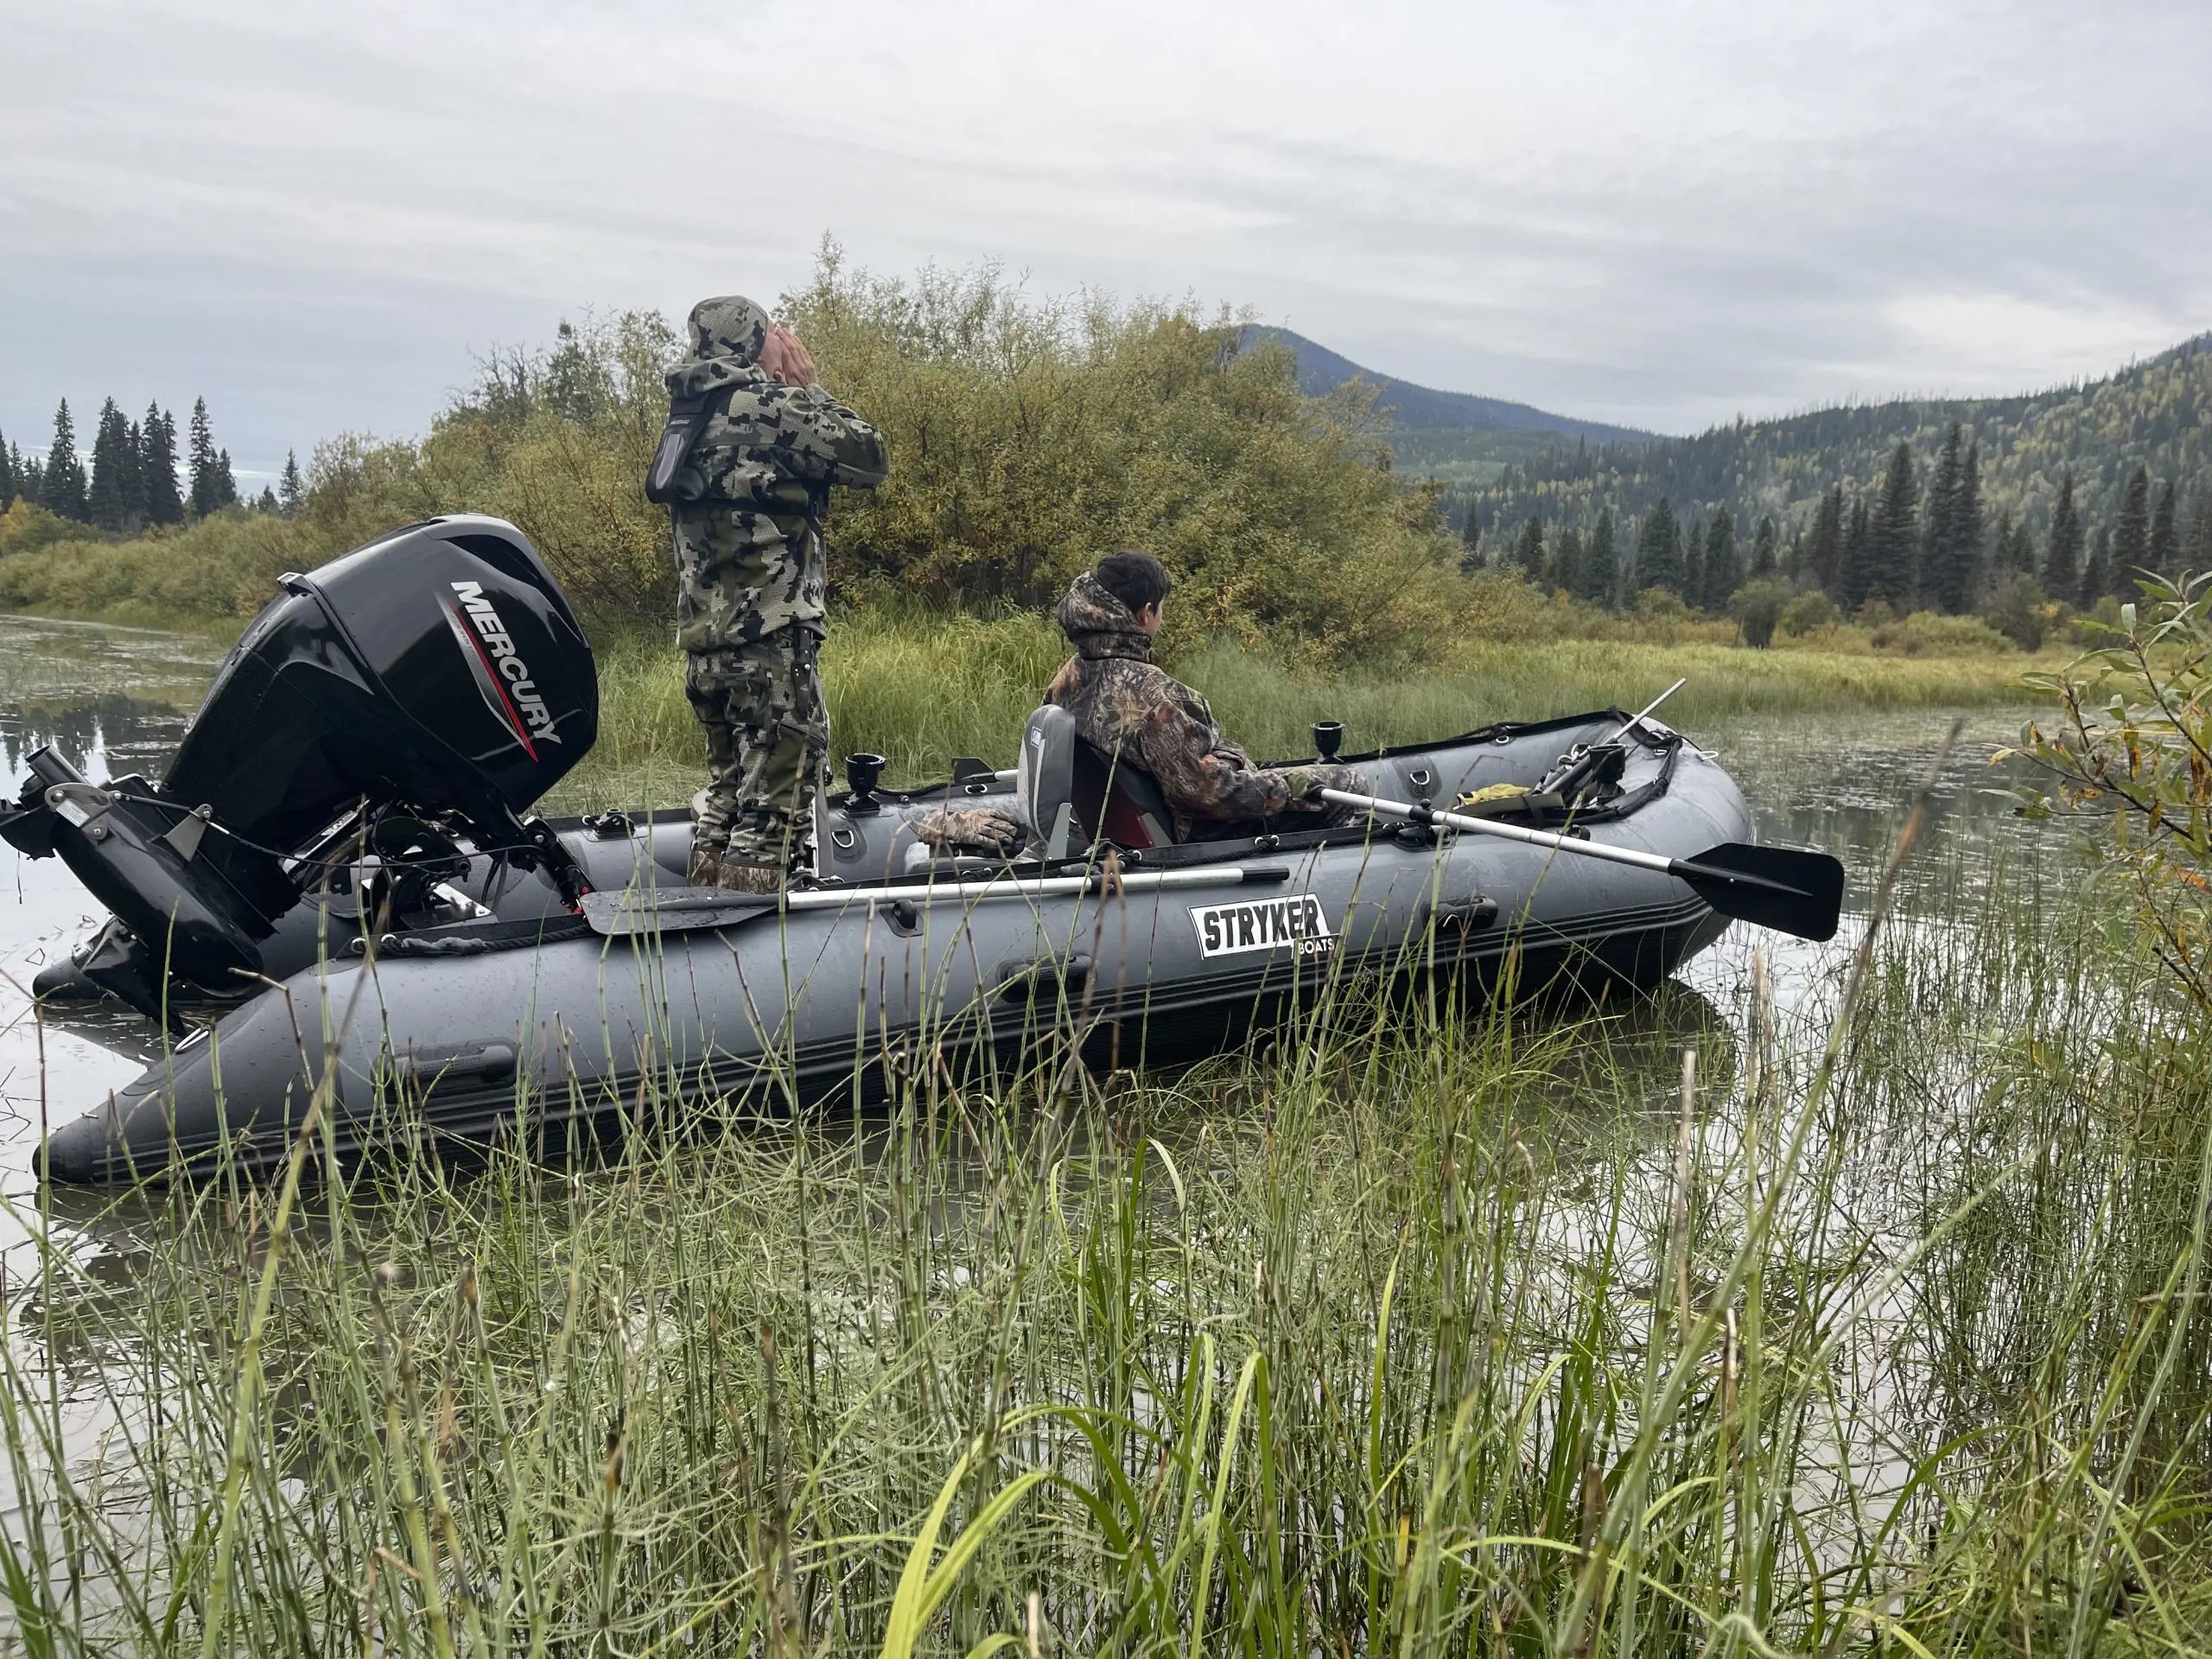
[427,687]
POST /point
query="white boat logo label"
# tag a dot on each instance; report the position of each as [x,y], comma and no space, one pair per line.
[502,677]
[1295,922]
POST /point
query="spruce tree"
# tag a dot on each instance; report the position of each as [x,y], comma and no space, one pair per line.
[1470,532]
[2198,562]
[2003,556]
[1567,562]
[1858,537]
[157,466]
[1723,575]
[1824,546]
[201,462]
[62,482]
[2165,534]
[1528,551]
[30,478]
[1969,524]
[134,446]
[1659,550]
[113,496]
[1601,564]
[290,491]
[266,502]
[1693,588]
[7,486]
[226,487]
[1894,535]
[2062,563]
[2096,574]
[1765,560]
[1942,580]
[2130,540]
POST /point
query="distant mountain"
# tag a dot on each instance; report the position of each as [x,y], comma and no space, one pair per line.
[1425,411]
[2156,414]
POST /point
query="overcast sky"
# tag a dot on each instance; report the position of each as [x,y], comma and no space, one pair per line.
[1661,215]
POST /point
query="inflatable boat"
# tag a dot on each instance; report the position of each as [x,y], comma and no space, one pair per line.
[337,894]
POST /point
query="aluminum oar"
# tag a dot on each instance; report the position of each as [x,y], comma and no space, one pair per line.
[637,910]
[1778,888]
[1644,713]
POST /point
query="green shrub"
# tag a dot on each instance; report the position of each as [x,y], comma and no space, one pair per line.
[2019,611]
[2124,755]
[224,565]
[1028,437]
[25,529]
[2095,627]
[1808,612]
[1662,605]
[1756,607]
[1925,633]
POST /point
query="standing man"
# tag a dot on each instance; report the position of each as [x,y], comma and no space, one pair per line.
[745,467]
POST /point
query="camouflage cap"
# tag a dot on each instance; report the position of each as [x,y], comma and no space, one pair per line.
[728,326]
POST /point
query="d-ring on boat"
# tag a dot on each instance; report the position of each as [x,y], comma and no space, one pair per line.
[341,866]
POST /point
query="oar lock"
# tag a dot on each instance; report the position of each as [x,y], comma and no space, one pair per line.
[862,772]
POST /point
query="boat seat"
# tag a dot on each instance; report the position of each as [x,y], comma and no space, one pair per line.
[1072,793]
[1044,781]
[1117,800]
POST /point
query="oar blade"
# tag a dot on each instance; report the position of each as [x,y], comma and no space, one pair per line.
[1791,892]
[671,910]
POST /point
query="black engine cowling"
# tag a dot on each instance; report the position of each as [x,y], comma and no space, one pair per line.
[439,671]
[441,666]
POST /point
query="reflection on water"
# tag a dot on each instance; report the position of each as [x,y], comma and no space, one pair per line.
[112,701]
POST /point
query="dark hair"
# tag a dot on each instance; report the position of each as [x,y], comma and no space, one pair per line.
[1133,576]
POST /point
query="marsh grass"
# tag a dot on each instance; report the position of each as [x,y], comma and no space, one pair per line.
[1860,1313]
[921,686]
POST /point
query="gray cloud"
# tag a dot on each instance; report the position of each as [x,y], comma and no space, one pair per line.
[1659,213]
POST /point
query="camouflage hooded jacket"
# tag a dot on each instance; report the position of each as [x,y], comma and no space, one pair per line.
[748,521]
[1127,705]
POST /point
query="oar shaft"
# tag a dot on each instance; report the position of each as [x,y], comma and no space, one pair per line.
[1633,856]
[998,887]
[1644,713]
[1038,887]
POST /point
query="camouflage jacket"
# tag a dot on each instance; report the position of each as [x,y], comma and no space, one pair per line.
[1127,705]
[749,556]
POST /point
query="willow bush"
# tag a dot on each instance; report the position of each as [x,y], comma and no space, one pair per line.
[2129,750]
[1026,436]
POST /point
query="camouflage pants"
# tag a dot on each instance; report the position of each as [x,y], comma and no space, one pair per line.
[767,742]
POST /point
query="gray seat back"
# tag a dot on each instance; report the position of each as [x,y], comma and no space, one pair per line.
[1044,780]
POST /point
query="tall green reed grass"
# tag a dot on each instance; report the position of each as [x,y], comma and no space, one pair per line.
[921,686]
[1863,1314]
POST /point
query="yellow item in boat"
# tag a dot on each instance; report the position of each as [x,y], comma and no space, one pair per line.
[1498,801]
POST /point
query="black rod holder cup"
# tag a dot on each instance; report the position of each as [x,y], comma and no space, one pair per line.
[862,774]
[1328,738]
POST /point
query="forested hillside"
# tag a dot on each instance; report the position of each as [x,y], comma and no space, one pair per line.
[2125,442]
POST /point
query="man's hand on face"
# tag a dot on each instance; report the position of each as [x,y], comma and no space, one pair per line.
[785,360]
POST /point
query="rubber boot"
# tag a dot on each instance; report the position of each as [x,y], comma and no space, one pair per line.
[752,878]
[705,868]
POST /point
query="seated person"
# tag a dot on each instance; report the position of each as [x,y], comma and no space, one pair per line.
[1126,705]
